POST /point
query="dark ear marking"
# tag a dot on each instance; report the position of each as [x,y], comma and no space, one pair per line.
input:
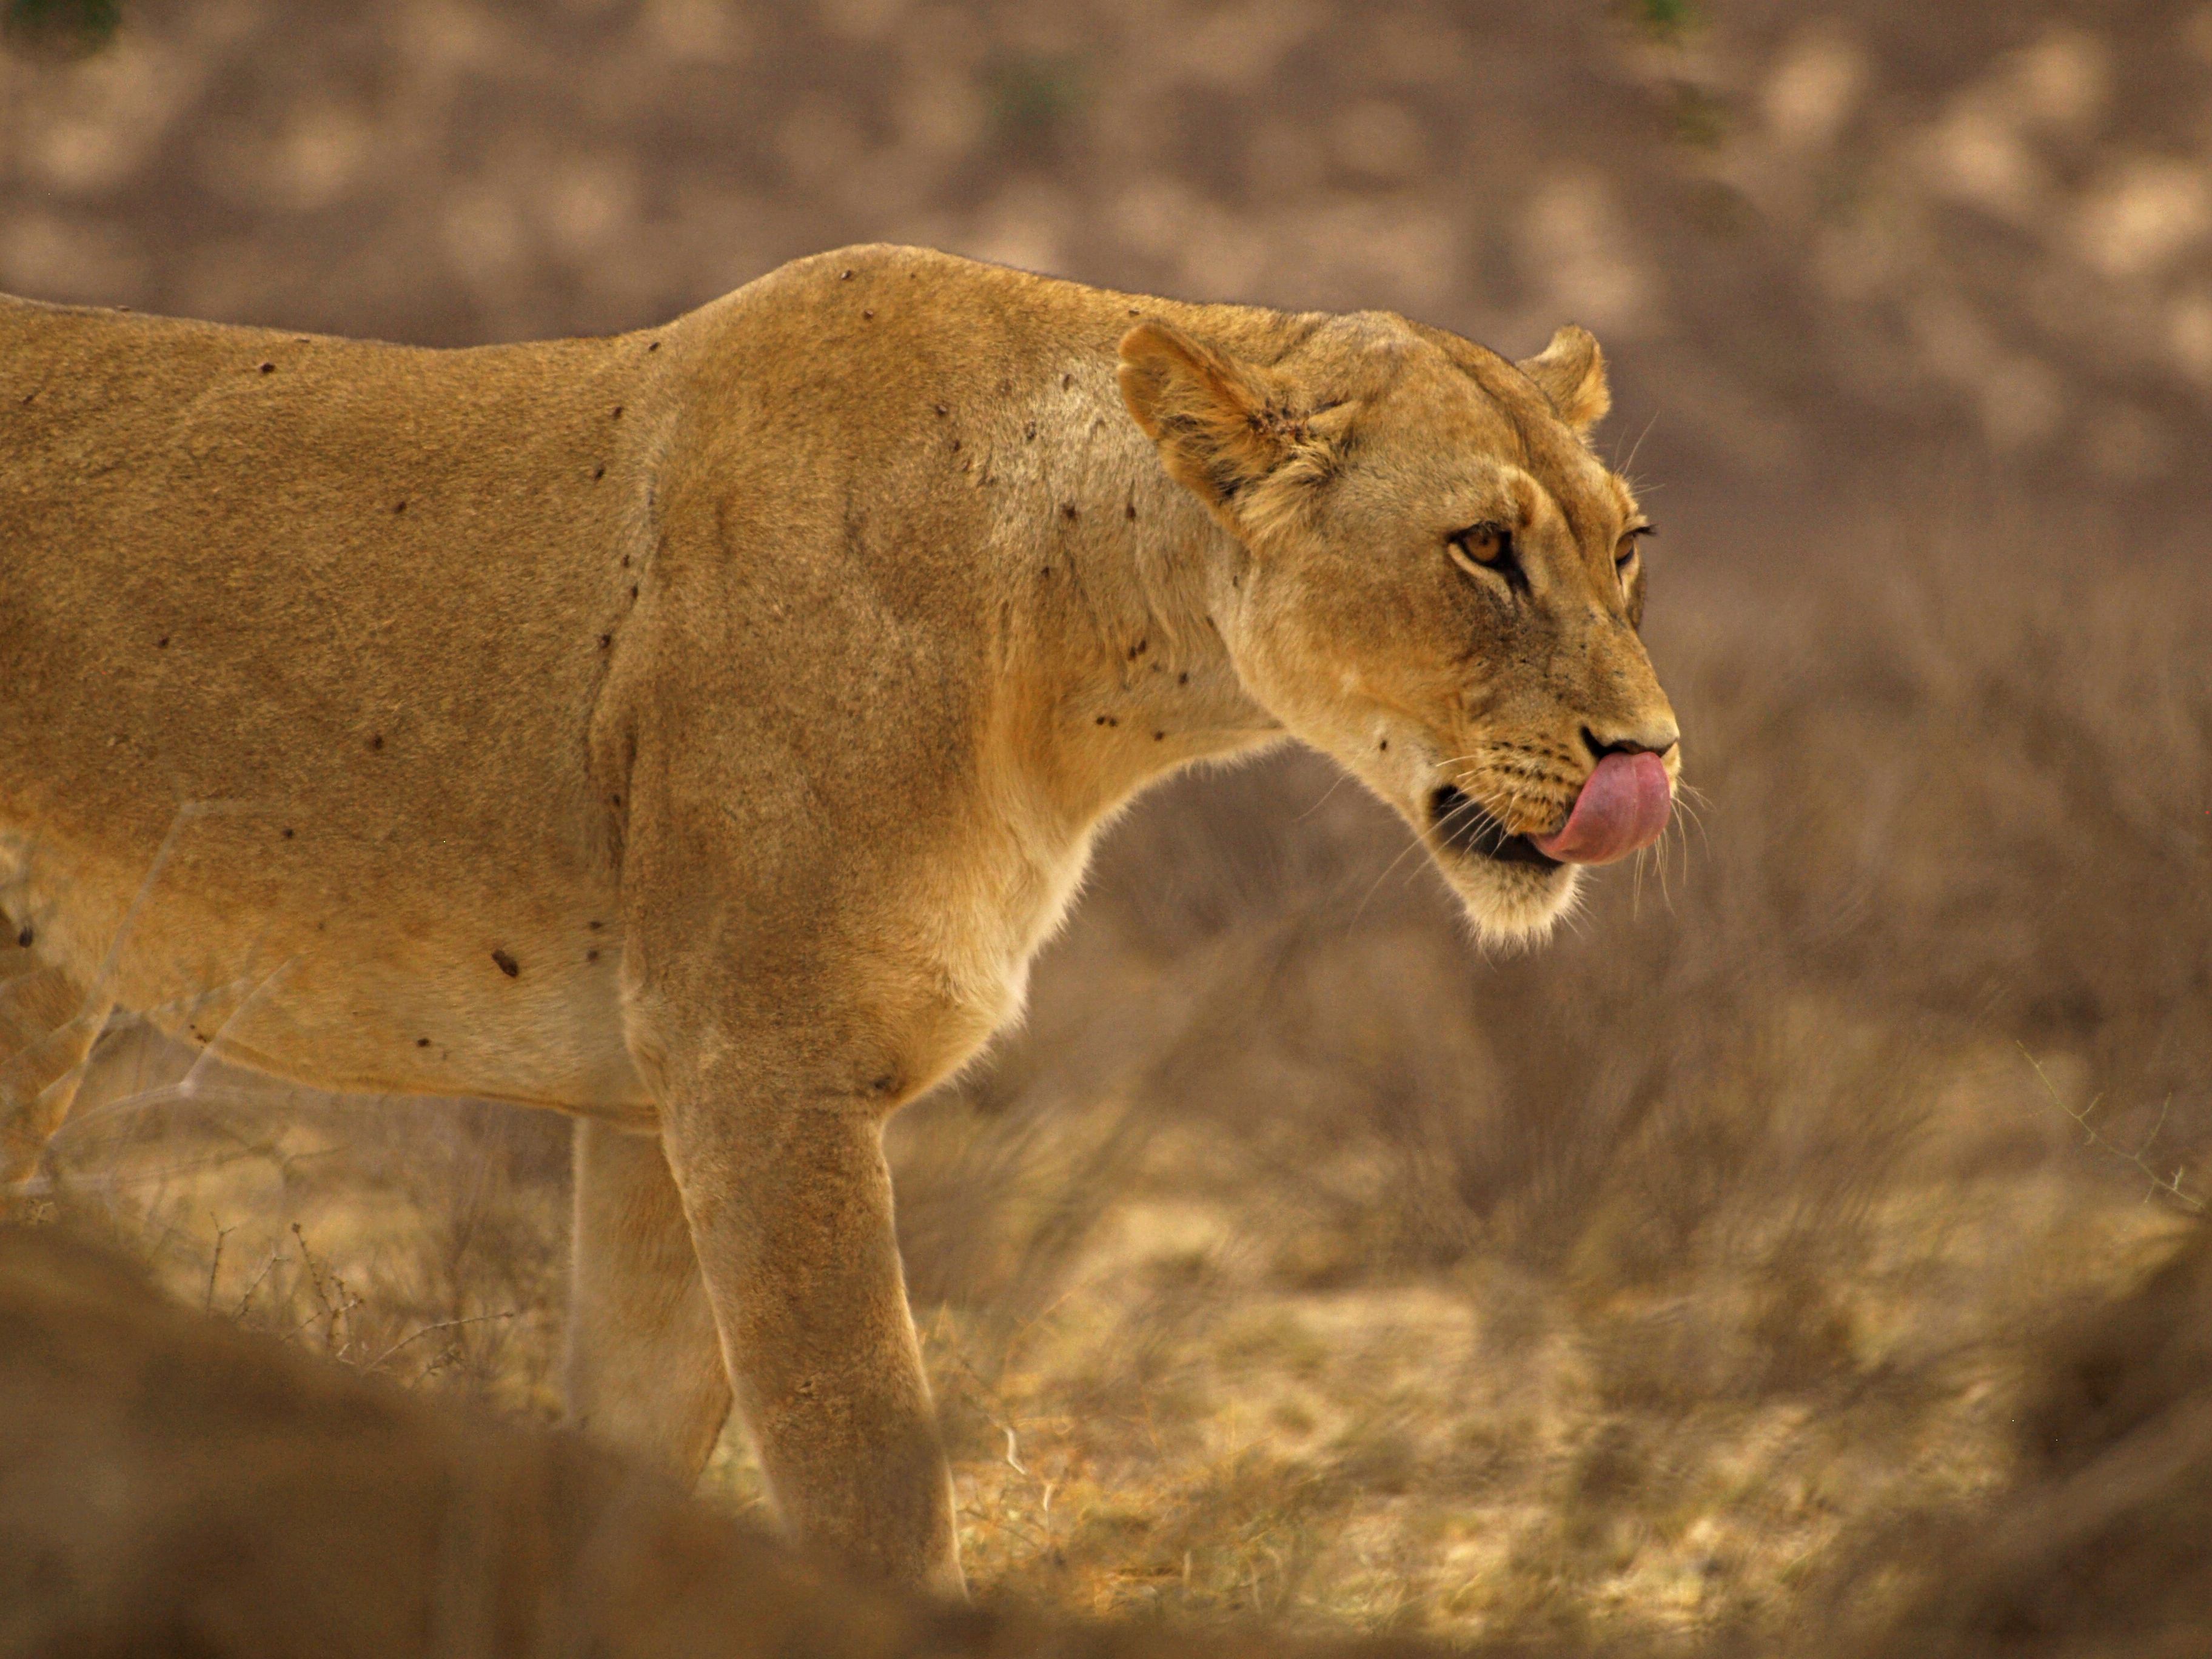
[1235,433]
[1209,413]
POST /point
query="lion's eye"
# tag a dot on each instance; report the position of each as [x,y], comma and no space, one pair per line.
[1488,547]
[1625,555]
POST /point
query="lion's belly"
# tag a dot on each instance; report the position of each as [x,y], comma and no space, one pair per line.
[378,975]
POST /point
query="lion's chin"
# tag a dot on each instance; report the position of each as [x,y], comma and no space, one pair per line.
[1511,904]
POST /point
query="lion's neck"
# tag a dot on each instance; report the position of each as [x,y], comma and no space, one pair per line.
[1113,578]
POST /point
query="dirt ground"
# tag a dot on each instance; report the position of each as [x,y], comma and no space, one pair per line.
[1295,1255]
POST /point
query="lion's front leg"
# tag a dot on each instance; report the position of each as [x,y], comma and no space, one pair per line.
[48,1028]
[644,1368]
[790,1203]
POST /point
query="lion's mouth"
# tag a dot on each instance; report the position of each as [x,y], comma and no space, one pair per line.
[1465,825]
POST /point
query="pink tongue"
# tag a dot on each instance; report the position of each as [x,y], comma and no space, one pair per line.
[1623,806]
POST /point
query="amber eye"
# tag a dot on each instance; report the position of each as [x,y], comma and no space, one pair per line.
[1627,550]
[1488,547]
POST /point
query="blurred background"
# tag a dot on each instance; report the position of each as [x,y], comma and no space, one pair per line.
[1296,1256]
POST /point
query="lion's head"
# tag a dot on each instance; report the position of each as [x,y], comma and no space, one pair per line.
[1440,586]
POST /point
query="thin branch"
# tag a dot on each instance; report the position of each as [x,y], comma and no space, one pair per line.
[377,1364]
[2169,1185]
[215,1265]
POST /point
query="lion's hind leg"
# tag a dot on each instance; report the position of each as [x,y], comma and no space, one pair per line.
[48,1030]
[645,1367]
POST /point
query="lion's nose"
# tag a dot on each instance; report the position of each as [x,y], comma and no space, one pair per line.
[1654,740]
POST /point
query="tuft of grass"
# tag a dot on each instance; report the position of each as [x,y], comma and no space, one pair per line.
[1032,97]
[60,28]
[1668,21]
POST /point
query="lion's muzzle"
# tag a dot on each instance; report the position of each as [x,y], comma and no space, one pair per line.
[1623,807]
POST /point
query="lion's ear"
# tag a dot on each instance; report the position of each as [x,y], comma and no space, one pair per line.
[1228,430]
[1571,372]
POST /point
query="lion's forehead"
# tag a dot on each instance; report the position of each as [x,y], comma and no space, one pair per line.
[1597,506]
[1593,501]
[1493,417]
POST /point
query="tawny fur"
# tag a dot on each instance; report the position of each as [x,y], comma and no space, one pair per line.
[697,730]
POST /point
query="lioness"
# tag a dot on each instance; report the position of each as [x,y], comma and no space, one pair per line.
[697,730]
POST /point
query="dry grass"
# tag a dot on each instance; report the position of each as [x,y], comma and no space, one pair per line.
[1296,1259]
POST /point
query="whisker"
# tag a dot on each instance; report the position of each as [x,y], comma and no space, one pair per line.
[1414,845]
[1690,803]
[1326,795]
[1629,465]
